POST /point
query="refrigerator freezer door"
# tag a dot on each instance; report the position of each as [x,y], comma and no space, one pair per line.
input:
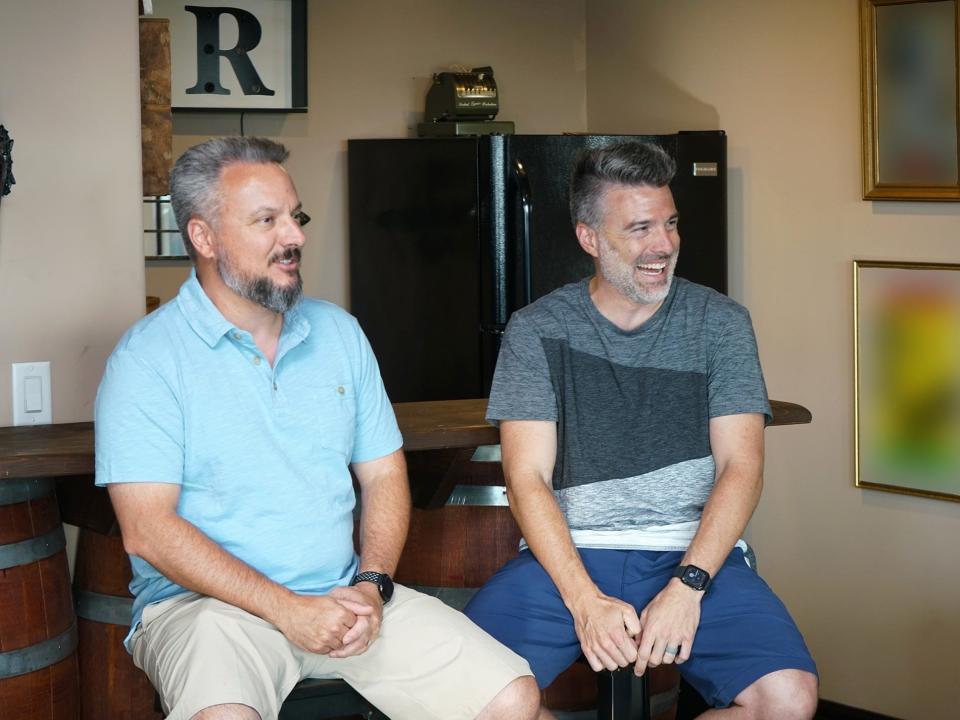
[414,285]
[700,191]
[544,246]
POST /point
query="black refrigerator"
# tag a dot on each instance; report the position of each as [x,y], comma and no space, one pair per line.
[448,236]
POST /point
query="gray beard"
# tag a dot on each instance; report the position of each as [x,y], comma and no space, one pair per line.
[620,276]
[260,290]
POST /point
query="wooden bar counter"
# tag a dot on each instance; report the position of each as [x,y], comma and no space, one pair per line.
[66,450]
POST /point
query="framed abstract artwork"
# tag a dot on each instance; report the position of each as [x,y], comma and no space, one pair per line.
[909,75]
[907,377]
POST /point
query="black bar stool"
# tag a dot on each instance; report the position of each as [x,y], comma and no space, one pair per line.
[316,699]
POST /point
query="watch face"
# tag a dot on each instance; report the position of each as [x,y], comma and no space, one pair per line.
[695,577]
[386,588]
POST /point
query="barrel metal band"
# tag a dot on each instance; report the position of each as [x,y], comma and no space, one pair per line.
[36,657]
[110,609]
[23,489]
[33,549]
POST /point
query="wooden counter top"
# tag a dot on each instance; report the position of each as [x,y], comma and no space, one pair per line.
[67,449]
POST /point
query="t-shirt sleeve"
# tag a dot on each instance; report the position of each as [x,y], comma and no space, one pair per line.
[138,423]
[735,378]
[377,433]
[522,388]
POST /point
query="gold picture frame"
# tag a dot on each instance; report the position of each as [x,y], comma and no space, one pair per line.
[909,92]
[906,327]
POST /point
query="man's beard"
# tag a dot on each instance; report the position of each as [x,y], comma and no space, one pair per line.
[621,275]
[262,290]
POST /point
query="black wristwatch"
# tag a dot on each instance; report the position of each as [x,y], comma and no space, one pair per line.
[692,576]
[381,580]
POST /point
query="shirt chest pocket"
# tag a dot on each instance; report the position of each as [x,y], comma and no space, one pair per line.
[331,417]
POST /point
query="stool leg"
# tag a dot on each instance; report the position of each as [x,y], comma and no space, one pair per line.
[644,686]
[615,695]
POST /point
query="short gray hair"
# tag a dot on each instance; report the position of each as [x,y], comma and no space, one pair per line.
[625,163]
[195,180]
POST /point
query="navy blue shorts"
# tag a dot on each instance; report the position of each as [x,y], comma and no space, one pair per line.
[745,632]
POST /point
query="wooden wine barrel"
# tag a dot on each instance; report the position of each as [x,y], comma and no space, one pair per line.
[452,550]
[38,632]
[112,687]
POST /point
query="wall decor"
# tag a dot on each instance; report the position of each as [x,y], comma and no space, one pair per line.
[909,76]
[156,120]
[907,377]
[248,55]
[6,162]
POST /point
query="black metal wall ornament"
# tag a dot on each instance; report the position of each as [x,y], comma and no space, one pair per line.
[6,162]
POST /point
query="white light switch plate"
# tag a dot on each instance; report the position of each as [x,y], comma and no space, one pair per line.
[31,394]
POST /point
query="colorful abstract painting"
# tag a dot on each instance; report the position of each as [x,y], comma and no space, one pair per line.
[907,373]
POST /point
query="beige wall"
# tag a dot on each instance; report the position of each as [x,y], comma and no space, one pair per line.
[71,268]
[164,278]
[370,64]
[871,577]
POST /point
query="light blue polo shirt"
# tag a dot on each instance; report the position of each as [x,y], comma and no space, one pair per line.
[261,453]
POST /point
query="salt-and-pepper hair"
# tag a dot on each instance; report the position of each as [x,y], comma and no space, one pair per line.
[625,163]
[195,180]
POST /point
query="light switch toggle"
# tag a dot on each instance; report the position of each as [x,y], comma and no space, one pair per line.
[31,393]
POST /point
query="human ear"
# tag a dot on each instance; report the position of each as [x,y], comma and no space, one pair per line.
[201,237]
[587,237]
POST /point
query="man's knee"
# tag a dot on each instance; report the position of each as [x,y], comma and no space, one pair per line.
[520,699]
[227,712]
[781,695]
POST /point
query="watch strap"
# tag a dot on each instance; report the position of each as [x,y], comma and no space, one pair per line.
[383,582]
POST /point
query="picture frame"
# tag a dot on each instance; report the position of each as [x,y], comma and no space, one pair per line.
[909,95]
[906,328]
[248,57]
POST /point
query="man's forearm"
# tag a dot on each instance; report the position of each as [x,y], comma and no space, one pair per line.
[605,626]
[385,515]
[186,556]
[728,510]
[737,444]
[547,534]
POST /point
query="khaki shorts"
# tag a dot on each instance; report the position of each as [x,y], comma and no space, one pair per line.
[429,660]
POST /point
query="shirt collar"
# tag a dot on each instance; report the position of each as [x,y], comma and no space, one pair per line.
[210,324]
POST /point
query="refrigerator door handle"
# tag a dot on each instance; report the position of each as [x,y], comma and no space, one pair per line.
[526,205]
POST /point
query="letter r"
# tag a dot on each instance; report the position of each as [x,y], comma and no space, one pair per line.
[209,51]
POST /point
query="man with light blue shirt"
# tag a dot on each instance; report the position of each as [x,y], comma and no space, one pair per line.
[227,423]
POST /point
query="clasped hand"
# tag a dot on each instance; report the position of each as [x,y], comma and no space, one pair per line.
[669,624]
[613,636]
[343,623]
[607,628]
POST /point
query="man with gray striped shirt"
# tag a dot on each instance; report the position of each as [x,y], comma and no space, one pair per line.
[631,408]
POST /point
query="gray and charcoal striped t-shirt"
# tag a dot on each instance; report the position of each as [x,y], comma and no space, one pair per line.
[632,408]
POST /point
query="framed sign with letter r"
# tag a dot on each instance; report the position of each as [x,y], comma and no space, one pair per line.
[237,55]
